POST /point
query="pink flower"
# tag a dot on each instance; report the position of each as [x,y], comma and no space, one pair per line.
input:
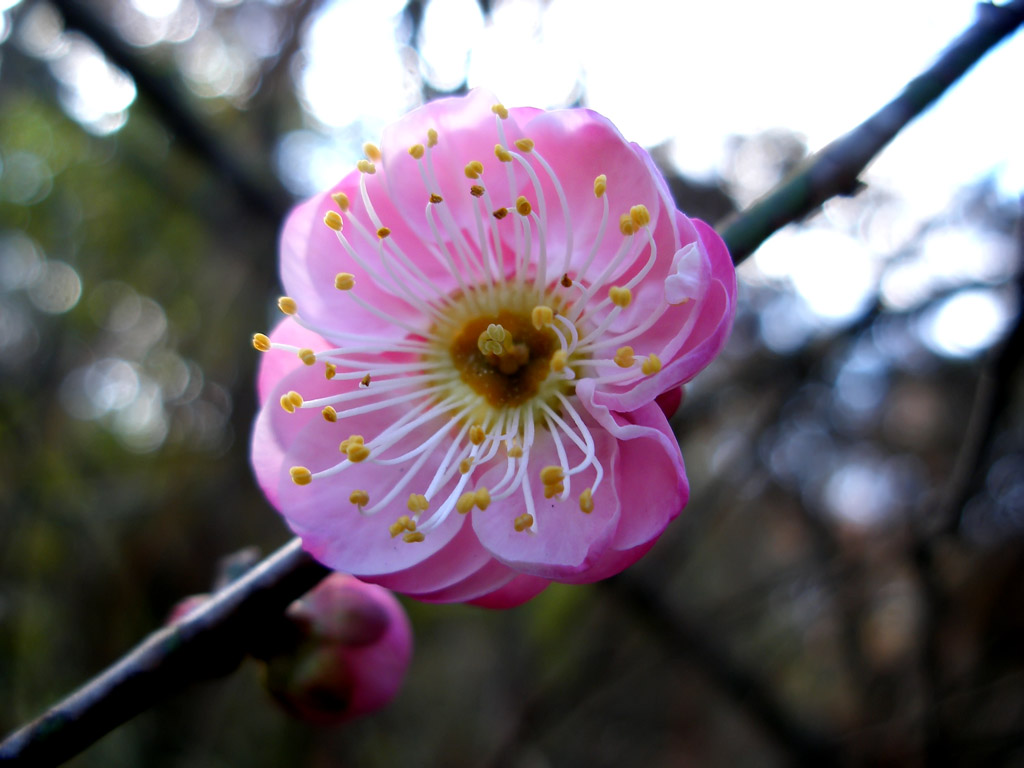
[352,649]
[481,318]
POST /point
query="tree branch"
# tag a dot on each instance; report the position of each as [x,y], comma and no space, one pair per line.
[265,197]
[835,169]
[209,642]
[212,640]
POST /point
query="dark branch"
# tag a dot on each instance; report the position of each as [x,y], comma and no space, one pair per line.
[835,169]
[266,198]
[213,639]
[207,643]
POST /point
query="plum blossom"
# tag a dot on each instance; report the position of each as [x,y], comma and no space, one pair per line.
[462,402]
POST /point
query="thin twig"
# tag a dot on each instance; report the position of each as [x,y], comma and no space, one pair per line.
[207,643]
[264,196]
[835,169]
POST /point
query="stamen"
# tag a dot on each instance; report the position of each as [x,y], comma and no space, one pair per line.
[383,232]
[600,185]
[436,198]
[341,200]
[542,316]
[330,371]
[523,522]
[365,166]
[291,401]
[431,138]
[344,281]
[483,498]
[587,501]
[360,498]
[412,538]
[621,297]
[287,305]
[417,151]
[261,342]
[307,356]
[372,151]
[476,190]
[524,145]
[301,475]
[559,360]
[523,207]
[651,365]
[500,111]
[624,357]
[417,503]
[333,220]
[465,502]
[474,169]
[330,414]
[502,154]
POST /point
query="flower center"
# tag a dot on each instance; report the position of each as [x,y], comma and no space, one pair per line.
[503,358]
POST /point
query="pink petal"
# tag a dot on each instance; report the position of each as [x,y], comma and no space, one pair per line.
[566,540]
[515,592]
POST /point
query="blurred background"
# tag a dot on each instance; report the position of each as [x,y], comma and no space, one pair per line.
[850,566]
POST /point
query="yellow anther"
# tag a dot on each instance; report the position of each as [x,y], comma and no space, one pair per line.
[465,502]
[417,502]
[551,491]
[330,371]
[502,154]
[372,151]
[412,538]
[353,440]
[483,498]
[500,214]
[516,451]
[524,145]
[357,453]
[476,190]
[640,216]
[465,465]
[383,232]
[624,357]
[330,414]
[287,305]
[333,220]
[551,475]
[436,198]
[559,360]
[407,523]
[395,528]
[296,398]
[542,316]
[474,169]
[477,434]
[500,111]
[523,206]
[587,501]
[626,225]
[344,281]
[286,403]
[566,281]
[600,185]
[359,498]
[308,356]
[365,381]
[621,297]
[495,340]
[523,522]
[417,151]
[366,166]
[431,138]
[651,365]
[301,475]
[341,200]
[261,342]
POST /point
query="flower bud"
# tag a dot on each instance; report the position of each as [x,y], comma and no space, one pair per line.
[350,657]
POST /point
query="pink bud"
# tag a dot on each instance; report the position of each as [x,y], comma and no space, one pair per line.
[353,657]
